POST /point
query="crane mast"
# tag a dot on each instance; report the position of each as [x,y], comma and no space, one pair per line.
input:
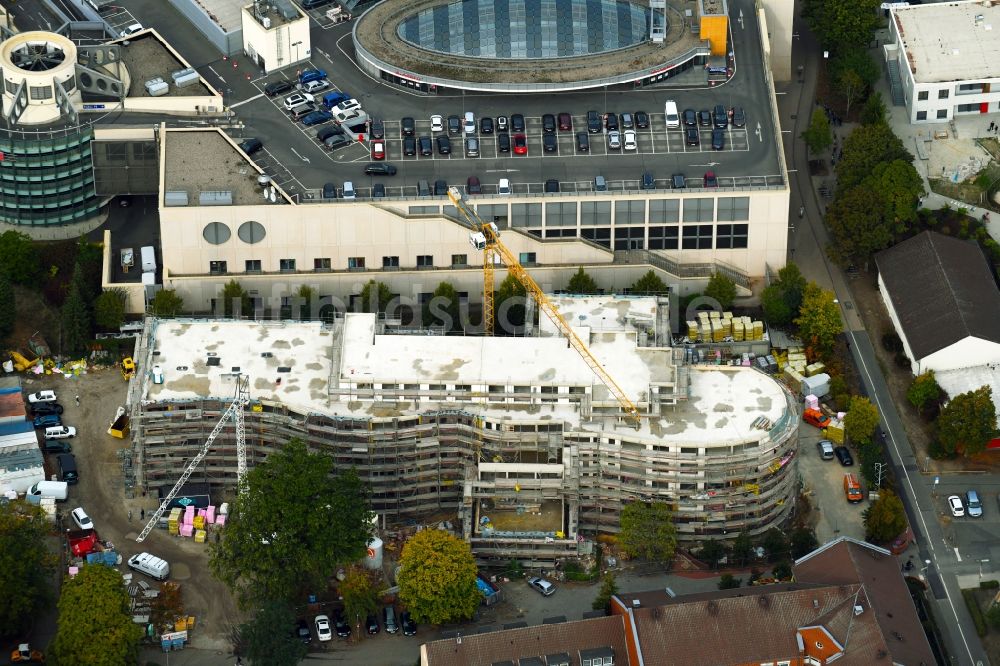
[487,239]
[235,412]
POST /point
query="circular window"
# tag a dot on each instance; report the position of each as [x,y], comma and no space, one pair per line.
[251,232]
[216,233]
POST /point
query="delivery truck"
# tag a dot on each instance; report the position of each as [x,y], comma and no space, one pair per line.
[57,490]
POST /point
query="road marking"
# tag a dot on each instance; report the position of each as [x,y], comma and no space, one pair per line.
[233,106]
[301,157]
[216,73]
[957,554]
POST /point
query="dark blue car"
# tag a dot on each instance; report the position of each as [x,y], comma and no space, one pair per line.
[316,117]
[47,421]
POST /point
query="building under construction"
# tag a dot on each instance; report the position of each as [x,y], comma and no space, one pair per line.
[515,435]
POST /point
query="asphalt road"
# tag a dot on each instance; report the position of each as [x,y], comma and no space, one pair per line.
[934,542]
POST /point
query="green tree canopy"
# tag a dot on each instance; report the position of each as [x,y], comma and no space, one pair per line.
[861,420]
[819,319]
[359,593]
[442,309]
[581,283]
[854,73]
[648,531]
[109,309]
[900,188]
[609,588]
[874,111]
[924,392]
[817,135]
[75,315]
[885,519]
[437,578]
[26,567]
[8,307]
[308,305]
[722,289]
[509,303]
[166,303]
[729,582]
[858,227]
[19,258]
[776,544]
[269,636]
[742,549]
[291,529]
[650,283]
[235,300]
[842,26]
[864,149]
[375,297]
[711,552]
[803,541]
[95,622]
[782,299]
[968,422]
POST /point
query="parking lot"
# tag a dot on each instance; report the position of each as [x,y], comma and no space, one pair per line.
[823,481]
[117,17]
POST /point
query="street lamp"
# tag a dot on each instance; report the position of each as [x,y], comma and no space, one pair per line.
[981,563]
[296,45]
[927,564]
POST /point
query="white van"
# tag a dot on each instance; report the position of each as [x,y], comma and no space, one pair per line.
[151,565]
[670,111]
[148,259]
[55,489]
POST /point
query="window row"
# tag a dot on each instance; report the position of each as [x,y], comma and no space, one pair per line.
[667,237]
[323,264]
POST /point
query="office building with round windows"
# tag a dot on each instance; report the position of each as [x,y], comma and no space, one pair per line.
[536,46]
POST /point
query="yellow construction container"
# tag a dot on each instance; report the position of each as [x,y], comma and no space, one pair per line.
[199,522]
[814,369]
[692,330]
[715,29]
[199,535]
[758,330]
[738,329]
[834,434]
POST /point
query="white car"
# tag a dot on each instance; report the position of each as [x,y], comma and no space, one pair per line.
[504,186]
[323,628]
[349,193]
[629,139]
[470,122]
[81,519]
[345,106]
[42,396]
[295,99]
[60,432]
[131,30]
[437,123]
[955,504]
[614,139]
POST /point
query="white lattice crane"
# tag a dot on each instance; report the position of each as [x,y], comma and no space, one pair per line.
[234,412]
[487,239]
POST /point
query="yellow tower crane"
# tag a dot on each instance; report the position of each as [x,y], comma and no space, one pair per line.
[487,238]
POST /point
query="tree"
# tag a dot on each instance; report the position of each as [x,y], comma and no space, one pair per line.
[291,529]
[269,636]
[968,422]
[509,304]
[742,550]
[782,299]
[885,519]
[793,285]
[26,567]
[168,605]
[722,289]
[865,148]
[861,420]
[581,283]
[8,307]
[235,300]
[818,136]
[306,297]
[728,582]
[858,227]
[609,588]
[375,297]
[359,593]
[819,319]
[993,615]
[874,111]
[900,188]
[803,541]
[166,303]
[711,552]
[437,578]
[19,258]
[648,531]
[782,570]
[854,73]
[442,309]
[776,310]
[109,309]
[650,283]
[75,315]
[776,545]
[924,392]
[95,621]
[842,26]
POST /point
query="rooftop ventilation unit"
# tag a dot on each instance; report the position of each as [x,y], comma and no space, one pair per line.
[859,609]
[286,10]
[175,198]
[216,198]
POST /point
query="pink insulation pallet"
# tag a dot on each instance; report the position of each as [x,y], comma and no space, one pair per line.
[187,530]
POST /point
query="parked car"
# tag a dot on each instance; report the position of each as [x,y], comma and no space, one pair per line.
[335,141]
[341,625]
[326,132]
[974,504]
[378,150]
[710,180]
[47,420]
[520,144]
[502,124]
[323,632]
[295,99]
[440,187]
[718,139]
[503,142]
[42,396]
[389,620]
[471,146]
[378,191]
[548,123]
[275,88]
[503,187]
[302,632]
[349,193]
[81,519]
[543,586]
[600,184]
[705,118]
[377,129]
[565,122]
[610,121]
[690,118]
[630,143]
[470,123]
[628,122]
[426,147]
[677,181]
[720,117]
[437,123]
[380,169]
[648,182]
[552,185]
[517,123]
[955,504]
[409,626]
[131,30]
[583,142]
[315,86]
[251,146]
[371,624]
[641,119]
[316,118]
[408,126]
[825,448]
[486,125]
[345,106]
[473,186]
[549,143]
[329,191]
[740,117]
[593,122]
[454,125]
[691,136]
[409,146]
[56,446]
[614,140]
[43,408]
[844,456]
[444,145]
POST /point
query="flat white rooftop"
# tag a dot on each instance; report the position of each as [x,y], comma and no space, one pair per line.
[292,363]
[951,41]
[601,313]
[956,382]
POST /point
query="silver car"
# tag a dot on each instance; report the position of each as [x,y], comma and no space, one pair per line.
[543,586]
[614,139]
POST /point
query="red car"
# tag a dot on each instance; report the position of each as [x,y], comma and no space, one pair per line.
[520,144]
[378,150]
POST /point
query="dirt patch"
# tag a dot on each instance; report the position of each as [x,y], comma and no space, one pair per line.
[101,493]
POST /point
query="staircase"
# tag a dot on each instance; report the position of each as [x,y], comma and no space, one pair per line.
[895,83]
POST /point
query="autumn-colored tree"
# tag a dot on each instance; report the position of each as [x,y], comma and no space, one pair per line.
[885,519]
[648,531]
[437,578]
[359,593]
[819,320]
[168,605]
[861,420]
[968,422]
